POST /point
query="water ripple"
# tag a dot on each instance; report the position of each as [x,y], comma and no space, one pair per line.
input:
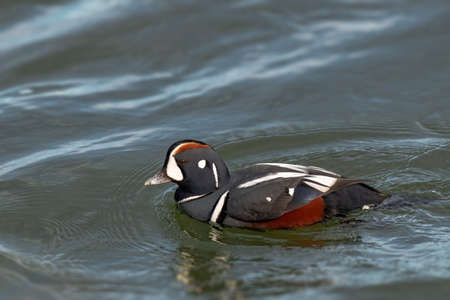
[55,21]
[116,140]
[265,62]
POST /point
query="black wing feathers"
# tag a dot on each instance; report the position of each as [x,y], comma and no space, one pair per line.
[302,196]
[265,201]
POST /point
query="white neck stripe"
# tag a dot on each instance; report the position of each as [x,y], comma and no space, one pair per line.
[216,176]
[218,208]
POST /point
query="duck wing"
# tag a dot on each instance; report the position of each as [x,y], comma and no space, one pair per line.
[272,190]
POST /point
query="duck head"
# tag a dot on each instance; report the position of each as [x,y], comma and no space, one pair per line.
[194,166]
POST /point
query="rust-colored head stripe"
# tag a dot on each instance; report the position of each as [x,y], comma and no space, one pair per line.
[187,146]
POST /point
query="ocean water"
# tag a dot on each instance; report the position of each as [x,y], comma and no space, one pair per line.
[92,93]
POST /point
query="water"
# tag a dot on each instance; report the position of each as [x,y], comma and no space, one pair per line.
[93,92]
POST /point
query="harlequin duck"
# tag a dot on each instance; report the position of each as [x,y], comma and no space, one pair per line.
[262,196]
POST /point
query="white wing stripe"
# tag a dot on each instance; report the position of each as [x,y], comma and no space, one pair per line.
[321,188]
[298,168]
[291,191]
[269,178]
[323,170]
[323,180]
[219,206]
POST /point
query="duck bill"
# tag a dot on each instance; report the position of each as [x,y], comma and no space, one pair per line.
[159,178]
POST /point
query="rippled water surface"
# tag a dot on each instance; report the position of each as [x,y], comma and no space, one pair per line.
[92,92]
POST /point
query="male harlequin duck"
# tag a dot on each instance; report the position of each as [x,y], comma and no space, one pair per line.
[262,196]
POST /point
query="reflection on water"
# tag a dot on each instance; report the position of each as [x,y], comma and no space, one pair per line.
[333,232]
[206,271]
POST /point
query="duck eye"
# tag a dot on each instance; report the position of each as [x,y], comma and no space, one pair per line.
[201,163]
[182,161]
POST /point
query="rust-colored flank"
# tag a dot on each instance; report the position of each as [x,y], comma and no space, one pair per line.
[309,214]
[187,146]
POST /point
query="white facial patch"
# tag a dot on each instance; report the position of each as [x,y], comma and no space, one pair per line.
[268,199]
[201,164]
[173,170]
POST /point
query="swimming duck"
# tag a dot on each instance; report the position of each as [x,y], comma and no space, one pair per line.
[261,196]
